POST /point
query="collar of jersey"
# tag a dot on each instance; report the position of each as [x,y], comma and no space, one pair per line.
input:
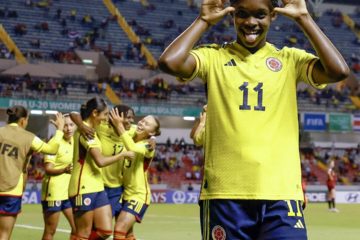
[13,124]
[245,53]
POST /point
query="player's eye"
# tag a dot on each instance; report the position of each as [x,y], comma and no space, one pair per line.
[241,14]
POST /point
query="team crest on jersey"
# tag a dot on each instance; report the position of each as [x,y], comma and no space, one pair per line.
[87,201]
[58,203]
[218,233]
[273,64]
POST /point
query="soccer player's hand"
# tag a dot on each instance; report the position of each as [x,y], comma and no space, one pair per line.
[115,117]
[59,121]
[293,9]
[68,169]
[151,143]
[212,11]
[129,155]
[87,132]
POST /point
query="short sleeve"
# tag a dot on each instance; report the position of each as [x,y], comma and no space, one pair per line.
[304,64]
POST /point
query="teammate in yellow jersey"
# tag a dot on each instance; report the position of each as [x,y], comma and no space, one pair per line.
[111,145]
[136,197]
[16,146]
[55,184]
[197,133]
[92,211]
[252,176]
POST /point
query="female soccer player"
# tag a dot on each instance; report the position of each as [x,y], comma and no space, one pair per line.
[16,145]
[55,184]
[90,204]
[331,183]
[111,144]
[136,196]
[252,124]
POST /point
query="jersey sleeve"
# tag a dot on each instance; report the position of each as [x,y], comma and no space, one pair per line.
[91,143]
[132,146]
[39,145]
[305,63]
[203,55]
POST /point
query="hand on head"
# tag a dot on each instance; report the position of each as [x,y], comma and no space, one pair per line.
[212,11]
[59,121]
[116,118]
[293,9]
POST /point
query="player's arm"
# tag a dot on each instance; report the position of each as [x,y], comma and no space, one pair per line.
[103,161]
[86,131]
[176,59]
[52,147]
[117,121]
[332,66]
[51,171]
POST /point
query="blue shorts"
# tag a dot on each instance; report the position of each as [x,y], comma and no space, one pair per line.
[114,195]
[10,205]
[136,208]
[89,201]
[252,219]
[55,206]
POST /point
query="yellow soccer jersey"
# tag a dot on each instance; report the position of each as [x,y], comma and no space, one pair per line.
[56,187]
[252,132]
[136,186]
[86,176]
[111,145]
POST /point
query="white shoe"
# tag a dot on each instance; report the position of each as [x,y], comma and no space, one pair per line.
[335,210]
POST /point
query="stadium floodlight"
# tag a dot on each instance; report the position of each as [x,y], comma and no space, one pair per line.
[51,112]
[87,61]
[36,112]
[189,118]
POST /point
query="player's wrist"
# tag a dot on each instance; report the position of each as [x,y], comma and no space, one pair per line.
[204,21]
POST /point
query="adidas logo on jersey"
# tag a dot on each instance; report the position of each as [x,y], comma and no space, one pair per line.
[299,224]
[230,63]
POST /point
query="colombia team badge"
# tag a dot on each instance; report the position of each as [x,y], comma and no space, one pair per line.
[218,233]
[273,64]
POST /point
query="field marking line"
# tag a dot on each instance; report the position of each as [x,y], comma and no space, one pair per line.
[41,228]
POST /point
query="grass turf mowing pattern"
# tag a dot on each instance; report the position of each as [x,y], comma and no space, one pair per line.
[179,222]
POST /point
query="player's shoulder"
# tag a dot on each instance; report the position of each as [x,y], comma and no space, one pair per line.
[215,46]
[286,51]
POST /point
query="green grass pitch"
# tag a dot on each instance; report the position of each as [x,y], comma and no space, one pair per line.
[179,222]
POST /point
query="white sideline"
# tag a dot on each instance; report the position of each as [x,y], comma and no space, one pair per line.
[41,228]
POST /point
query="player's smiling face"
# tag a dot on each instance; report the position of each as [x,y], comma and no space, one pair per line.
[252,20]
[146,127]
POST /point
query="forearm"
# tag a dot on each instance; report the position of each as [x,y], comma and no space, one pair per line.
[130,145]
[76,118]
[333,64]
[55,172]
[174,58]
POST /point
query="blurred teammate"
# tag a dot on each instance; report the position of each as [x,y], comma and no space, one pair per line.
[136,197]
[55,184]
[331,183]
[197,133]
[252,164]
[90,203]
[16,146]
